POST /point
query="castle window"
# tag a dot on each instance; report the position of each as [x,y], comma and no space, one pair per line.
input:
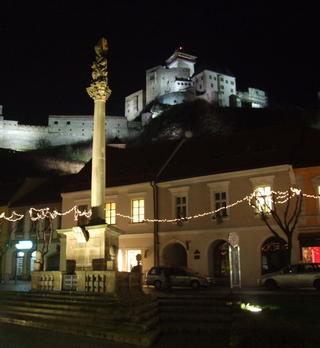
[215,78]
[221,78]
[211,85]
[227,81]
[68,122]
[231,90]
[210,77]
[55,122]
[232,82]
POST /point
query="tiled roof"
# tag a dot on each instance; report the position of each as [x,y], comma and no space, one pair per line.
[47,192]
[198,157]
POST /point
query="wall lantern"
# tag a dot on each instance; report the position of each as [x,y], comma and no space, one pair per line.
[196,254]
[24,244]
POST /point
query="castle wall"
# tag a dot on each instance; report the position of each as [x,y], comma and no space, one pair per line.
[61,130]
[134,103]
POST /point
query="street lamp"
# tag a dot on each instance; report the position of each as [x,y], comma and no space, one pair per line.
[156,242]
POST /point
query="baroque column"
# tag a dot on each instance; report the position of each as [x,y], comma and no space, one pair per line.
[100,92]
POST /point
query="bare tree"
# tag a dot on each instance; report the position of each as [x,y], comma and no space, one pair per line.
[282,208]
[44,233]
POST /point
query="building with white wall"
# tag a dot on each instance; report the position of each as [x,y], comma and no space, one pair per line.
[134,103]
[254,98]
[176,82]
[215,87]
[215,176]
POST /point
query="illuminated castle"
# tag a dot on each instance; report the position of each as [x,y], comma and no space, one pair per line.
[177,82]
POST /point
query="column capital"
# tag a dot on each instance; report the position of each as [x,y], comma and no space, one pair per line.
[99,90]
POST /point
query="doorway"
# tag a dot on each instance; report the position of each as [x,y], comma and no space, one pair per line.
[174,255]
[219,267]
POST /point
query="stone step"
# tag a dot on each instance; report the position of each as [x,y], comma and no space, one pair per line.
[116,334]
[97,308]
[71,298]
[130,320]
[92,321]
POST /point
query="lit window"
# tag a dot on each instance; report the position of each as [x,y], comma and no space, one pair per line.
[263,199]
[181,207]
[132,259]
[137,210]
[220,201]
[111,213]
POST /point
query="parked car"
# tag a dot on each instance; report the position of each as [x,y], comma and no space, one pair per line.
[165,277]
[295,276]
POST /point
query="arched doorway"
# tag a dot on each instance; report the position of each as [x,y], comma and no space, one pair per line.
[174,255]
[219,267]
[273,255]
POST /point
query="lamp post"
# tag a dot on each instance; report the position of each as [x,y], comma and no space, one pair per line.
[156,242]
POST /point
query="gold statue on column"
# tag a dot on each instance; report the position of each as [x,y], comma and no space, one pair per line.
[99,89]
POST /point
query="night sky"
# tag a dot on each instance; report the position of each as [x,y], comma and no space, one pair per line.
[47,51]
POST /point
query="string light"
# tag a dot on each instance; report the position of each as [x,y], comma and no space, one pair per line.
[40,214]
[278,197]
[13,217]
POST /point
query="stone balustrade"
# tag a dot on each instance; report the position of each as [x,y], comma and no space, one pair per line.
[109,282]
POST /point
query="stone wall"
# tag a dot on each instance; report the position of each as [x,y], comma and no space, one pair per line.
[62,130]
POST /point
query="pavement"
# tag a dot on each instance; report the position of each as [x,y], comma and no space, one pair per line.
[22,285]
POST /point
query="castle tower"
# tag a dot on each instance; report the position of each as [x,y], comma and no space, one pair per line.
[172,78]
[180,59]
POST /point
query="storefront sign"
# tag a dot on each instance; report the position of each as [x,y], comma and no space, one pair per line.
[24,244]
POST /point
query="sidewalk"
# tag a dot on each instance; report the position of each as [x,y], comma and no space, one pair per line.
[12,285]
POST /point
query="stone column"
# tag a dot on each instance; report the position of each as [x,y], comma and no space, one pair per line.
[100,92]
